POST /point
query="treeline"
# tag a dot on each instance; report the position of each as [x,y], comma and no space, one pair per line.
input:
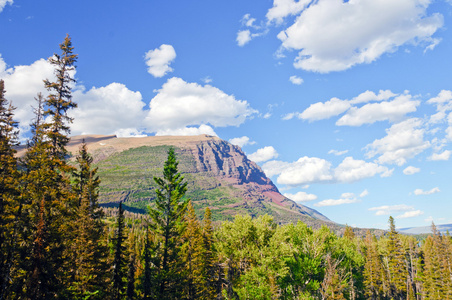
[57,243]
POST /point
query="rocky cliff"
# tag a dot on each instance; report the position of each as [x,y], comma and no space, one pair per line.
[219,175]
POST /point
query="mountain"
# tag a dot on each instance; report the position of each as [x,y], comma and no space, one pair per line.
[425,229]
[219,175]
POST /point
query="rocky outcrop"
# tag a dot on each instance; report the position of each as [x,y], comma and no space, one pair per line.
[208,163]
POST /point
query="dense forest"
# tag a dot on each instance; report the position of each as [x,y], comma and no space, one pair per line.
[56,242]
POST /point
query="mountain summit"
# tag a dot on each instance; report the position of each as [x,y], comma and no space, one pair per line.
[219,175]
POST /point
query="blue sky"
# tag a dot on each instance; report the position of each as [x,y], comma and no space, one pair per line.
[346,105]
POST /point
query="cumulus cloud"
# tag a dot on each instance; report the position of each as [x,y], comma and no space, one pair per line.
[31,77]
[301,197]
[346,198]
[308,170]
[443,104]
[325,110]
[202,129]
[179,107]
[296,80]
[334,202]
[441,156]
[104,110]
[434,190]
[263,154]
[403,140]
[410,214]
[388,110]
[241,141]
[337,153]
[284,8]
[159,60]
[3,3]
[351,170]
[369,96]
[333,35]
[364,193]
[243,37]
[390,209]
[180,104]
[304,171]
[411,170]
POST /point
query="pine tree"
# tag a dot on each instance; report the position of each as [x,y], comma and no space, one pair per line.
[373,270]
[48,190]
[397,269]
[120,257]
[89,252]
[168,225]
[9,193]
[150,264]
[192,253]
[208,283]
[59,100]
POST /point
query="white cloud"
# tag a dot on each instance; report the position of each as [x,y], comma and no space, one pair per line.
[275,167]
[389,209]
[180,104]
[351,170]
[434,190]
[337,153]
[306,170]
[443,104]
[284,8]
[31,77]
[411,170]
[129,132]
[243,37]
[301,197]
[296,80]
[158,60]
[441,156]
[370,113]
[410,214]
[109,109]
[369,96]
[263,154]
[325,110]
[241,141]
[403,140]
[333,35]
[334,202]
[3,3]
[364,193]
[202,129]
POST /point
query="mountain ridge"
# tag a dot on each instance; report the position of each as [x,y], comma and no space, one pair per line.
[213,158]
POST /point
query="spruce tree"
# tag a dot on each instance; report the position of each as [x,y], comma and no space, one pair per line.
[168,224]
[50,199]
[89,250]
[397,270]
[119,257]
[9,193]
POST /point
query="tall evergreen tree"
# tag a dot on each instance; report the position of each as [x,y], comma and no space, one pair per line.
[59,100]
[48,189]
[373,270]
[89,250]
[9,193]
[396,266]
[120,257]
[168,225]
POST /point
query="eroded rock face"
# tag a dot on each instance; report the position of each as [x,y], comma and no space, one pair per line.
[226,160]
[214,163]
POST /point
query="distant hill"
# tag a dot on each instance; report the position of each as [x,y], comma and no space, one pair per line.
[426,229]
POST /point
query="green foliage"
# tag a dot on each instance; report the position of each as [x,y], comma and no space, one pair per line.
[168,224]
